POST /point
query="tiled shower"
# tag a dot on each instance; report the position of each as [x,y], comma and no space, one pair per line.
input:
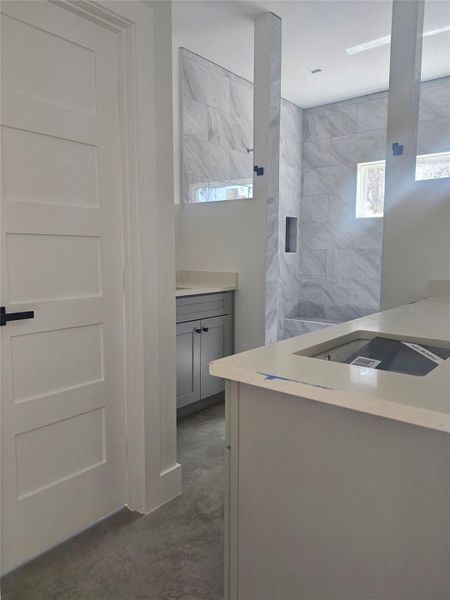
[340,254]
[333,273]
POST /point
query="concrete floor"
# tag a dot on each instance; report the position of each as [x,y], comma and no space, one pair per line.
[175,553]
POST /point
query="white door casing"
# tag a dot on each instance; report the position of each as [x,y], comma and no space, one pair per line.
[63,379]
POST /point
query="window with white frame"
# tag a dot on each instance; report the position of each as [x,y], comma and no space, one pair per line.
[216,192]
[433,166]
[371,175]
[370,189]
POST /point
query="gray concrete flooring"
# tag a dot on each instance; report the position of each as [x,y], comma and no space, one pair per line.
[172,554]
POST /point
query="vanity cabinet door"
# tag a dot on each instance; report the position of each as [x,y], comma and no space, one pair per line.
[216,342]
[188,363]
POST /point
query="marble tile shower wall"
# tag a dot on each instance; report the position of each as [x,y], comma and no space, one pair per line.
[272,177]
[340,255]
[291,136]
[335,275]
[217,124]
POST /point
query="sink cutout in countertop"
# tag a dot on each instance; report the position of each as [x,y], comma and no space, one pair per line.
[398,354]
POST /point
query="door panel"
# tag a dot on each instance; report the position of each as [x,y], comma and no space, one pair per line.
[188,363]
[52,267]
[50,361]
[216,343]
[63,382]
[58,171]
[40,463]
[47,66]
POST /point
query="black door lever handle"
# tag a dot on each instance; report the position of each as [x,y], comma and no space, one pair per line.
[205,329]
[17,316]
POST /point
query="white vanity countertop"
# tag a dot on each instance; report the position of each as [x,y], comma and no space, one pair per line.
[422,401]
[196,283]
[197,290]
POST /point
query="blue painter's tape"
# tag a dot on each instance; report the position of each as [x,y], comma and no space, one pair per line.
[397,149]
[272,377]
[269,377]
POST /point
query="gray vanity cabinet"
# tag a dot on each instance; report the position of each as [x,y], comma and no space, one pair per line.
[215,343]
[199,342]
[188,363]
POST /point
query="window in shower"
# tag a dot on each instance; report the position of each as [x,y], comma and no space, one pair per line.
[433,166]
[219,191]
[370,181]
[370,189]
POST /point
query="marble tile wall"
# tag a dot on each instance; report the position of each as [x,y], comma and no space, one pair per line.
[340,255]
[294,327]
[217,125]
[335,275]
[268,33]
[291,135]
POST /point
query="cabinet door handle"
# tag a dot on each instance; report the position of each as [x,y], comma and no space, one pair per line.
[205,329]
[197,330]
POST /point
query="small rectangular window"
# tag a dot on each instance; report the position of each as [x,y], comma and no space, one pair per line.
[370,189]
[218,191]
[433,166]
[371,176]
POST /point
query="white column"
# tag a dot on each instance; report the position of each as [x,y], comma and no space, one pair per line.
[416,244]
[403,112]
[267,100]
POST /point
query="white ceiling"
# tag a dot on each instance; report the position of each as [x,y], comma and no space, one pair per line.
[316,34]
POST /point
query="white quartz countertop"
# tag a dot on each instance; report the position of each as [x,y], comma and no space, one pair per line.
[196,283]
[422,401]
[198,289]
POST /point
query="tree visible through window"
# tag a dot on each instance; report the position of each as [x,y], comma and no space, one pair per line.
[371,176]
[433,166]
[370,189]
[216,192]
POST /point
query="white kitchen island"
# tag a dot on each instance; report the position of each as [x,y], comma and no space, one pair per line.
[338,475]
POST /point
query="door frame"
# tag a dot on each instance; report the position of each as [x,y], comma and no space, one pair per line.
[145,112]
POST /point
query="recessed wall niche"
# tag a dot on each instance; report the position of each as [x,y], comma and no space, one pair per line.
[291,235]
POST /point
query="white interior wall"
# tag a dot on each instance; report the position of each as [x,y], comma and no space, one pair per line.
[228,236]
[154,474]
[416,232]
[416,244]
[223,236]
[168,466]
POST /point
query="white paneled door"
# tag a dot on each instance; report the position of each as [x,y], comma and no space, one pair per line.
[63,386]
